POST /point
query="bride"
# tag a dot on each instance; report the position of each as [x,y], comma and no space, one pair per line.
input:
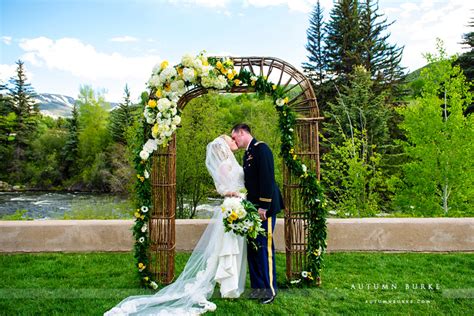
[218,256]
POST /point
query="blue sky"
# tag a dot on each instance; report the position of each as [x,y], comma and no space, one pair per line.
[106,43]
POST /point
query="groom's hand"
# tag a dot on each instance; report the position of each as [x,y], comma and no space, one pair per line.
[263,213]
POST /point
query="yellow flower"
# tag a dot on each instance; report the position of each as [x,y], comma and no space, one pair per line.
[137,215]
[164,64]
[138,176]
[180,71]
[230,76]
[152,103]
[159,93]
[223,209]
[219,65]
[141,266]
[142,179]
[274,87]
[294,157]
[286,100]
[142,217]
[233,216]
[310,276]
[292,150]
[265,77]
[146,278]
[154,129]
[237,82]
[168,87]
[205,62]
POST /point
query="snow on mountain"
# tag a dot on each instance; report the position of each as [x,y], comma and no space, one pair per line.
[58,105]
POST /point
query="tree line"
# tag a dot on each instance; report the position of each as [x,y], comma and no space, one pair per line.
[390,142]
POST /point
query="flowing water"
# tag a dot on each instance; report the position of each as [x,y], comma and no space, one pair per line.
[75,205]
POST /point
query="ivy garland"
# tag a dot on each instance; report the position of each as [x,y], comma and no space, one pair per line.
[166,86]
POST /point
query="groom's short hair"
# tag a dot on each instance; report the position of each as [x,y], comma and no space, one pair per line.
[241,126]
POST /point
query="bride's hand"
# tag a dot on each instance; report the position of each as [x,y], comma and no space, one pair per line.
[231,194]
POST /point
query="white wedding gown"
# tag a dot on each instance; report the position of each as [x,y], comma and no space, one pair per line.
[218,256]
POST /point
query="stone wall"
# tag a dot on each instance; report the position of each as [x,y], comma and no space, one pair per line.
[362,234]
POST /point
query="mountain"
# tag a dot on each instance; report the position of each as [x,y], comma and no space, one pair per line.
[55,105]
[58,105]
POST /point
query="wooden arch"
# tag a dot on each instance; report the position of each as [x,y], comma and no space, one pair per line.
[163,179]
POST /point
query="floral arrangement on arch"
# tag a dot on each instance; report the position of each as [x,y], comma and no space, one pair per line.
[162,117]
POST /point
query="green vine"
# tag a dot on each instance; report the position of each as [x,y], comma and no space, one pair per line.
[218,73]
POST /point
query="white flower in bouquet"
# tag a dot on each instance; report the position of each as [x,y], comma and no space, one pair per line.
[146,174]
[176,120]
[141,239]
[154,81]
[241,213]
[187,60]
[156,69]
[163,104]
[154,285]
[168,73]
[144,154]
[207,82]
[189,74]
[149,115]
[221,82]
[304,168]
[205,71]
[144,228]
[280,102]
[178,86]
[144,209]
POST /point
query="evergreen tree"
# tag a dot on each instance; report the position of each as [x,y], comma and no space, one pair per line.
[22,99]
[377,55]
[466,62]
[316,65]
[121,118]
[343,36]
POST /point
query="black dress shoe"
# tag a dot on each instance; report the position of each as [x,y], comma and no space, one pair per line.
[268,300]
[255,294]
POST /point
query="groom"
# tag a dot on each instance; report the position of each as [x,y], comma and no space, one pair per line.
[262,191]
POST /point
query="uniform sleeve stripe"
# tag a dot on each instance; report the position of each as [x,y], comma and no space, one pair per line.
[265,200]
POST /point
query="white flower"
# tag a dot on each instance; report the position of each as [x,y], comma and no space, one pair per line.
[144,154]
[187,60]
[295,281]
[197,64]
[280,102]
[163,104]
[178,86]
[154,285]
[146,174]
[144,209]
[150,145]
[303,166]
[221,82]
[205,71]
[144,228]
[168,73]
[189,74]
[254,78]
[154,81]
[149,115]
[304,274]
[141,239]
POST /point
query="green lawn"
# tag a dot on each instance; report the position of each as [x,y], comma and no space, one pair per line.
[91,283]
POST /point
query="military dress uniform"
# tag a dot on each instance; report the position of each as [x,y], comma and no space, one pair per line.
[262,191]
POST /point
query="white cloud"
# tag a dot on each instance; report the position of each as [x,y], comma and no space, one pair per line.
[7,40]
[418,25]
[204,3]
[7,71]
[124,39]
[305,6]
[84,61]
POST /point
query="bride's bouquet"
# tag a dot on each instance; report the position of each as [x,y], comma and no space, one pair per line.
[241,217]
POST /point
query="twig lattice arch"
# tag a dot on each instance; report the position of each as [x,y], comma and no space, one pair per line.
[163,177]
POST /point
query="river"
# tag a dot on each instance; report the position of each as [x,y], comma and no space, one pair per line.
[75,205]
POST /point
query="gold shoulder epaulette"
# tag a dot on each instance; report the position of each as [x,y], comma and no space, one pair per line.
[259,143]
